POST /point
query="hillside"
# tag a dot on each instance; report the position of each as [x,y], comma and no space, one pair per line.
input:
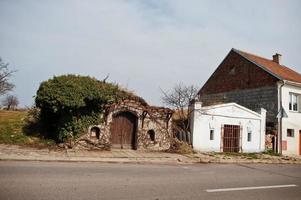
[11,130]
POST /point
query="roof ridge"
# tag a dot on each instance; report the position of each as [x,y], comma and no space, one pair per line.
[254,55]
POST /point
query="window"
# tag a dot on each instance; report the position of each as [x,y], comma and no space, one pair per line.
[95,132]
[249,136]
[232,71]
[290,132]
[293,103]
[211,134]
[151,134]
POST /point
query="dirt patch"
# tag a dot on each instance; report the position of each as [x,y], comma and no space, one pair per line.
[180,147]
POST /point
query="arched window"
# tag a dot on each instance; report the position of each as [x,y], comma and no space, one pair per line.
[151,134]
[95,132]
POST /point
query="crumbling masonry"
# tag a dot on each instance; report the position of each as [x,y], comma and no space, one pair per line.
[132,124]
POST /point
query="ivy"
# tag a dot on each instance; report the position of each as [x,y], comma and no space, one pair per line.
[70,103]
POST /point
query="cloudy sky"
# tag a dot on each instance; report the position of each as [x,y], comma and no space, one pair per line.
[144,45]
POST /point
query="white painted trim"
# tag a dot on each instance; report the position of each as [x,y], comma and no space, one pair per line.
[250,188]
[231,104]
[292,83]
[228,116]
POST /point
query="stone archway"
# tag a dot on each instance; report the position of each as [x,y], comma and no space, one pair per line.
[124,130]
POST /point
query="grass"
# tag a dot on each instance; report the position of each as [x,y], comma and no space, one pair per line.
[271,153]
[244,155]
[11,130]
[241,155]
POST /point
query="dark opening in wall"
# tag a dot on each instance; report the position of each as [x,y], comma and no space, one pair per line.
[95,132]
[212,134]
[249,136]
[151,134]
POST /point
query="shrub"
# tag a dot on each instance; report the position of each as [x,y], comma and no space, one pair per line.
[69,104]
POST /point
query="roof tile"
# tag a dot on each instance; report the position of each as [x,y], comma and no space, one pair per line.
[280,71]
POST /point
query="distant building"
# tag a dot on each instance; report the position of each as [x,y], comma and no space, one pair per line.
[255,82]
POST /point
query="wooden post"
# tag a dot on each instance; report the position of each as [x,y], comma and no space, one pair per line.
[222,139]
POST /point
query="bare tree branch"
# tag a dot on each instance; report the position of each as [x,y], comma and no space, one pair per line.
[179,98]
[5,73]
[105,79]
[10,102]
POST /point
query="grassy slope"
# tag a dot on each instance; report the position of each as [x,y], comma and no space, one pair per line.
[11,124]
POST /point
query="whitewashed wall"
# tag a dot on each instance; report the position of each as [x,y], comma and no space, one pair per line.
[214,117]
[293,121]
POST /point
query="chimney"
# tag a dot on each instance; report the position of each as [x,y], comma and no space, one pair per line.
[277,58]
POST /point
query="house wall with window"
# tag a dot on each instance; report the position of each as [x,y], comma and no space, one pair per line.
[238,80]
[291,124]
[208,124]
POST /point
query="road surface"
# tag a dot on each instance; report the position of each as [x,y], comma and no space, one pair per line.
[57,180]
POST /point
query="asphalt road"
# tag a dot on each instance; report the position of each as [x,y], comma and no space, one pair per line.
[54,180]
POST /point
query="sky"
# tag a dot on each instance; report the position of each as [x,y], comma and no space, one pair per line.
[143,45]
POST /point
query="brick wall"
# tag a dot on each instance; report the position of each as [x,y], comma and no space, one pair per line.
[237,73]
[240,81]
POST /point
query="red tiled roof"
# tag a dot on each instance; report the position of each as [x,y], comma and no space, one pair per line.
[280,71]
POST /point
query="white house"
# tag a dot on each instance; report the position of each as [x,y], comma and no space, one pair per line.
[257,82]
[290,117]
[227,128]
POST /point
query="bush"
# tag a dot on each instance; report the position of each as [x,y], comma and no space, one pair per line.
[69,104]
[32,126]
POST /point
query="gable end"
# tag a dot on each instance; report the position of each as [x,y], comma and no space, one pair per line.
[237,73]
[263,68]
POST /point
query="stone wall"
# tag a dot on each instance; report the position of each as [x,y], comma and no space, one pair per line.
[150,118]
[254,99]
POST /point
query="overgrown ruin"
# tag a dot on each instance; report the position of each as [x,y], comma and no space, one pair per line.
[131,124]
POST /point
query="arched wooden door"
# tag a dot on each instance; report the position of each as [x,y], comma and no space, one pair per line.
[124,131]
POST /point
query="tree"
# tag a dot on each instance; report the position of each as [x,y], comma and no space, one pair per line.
[68,104]
[10,102]
[179,98]
[5,73]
